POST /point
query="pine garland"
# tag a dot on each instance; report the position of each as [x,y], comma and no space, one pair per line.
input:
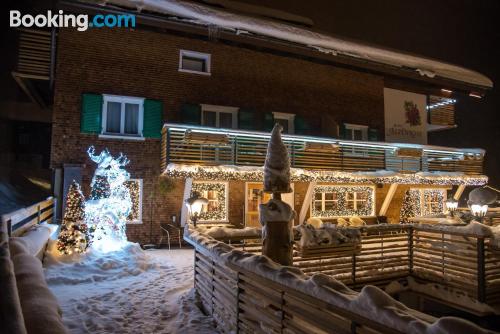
[220,212]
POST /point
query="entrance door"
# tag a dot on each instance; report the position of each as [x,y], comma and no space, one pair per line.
[254,195]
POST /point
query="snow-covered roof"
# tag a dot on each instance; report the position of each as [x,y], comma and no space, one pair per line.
[206,15]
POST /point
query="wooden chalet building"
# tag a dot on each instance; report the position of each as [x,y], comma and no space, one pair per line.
[193,98]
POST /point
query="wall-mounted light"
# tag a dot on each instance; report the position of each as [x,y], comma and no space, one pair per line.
[447,91]
[451,206]
[479,211]
[196,205]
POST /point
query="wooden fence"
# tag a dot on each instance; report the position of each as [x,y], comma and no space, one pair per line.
[20,220]
[241,301]
[463,261]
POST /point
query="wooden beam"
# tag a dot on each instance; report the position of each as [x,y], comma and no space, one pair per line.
[388,199]
[459,192]
[307,202]
[187,193]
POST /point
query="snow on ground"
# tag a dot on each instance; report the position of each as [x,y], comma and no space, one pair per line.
[128,291]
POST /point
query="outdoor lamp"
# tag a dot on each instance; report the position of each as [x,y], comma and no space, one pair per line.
[452,206]
[479,210]
[195,206]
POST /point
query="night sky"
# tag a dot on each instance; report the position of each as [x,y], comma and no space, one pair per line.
[465,33]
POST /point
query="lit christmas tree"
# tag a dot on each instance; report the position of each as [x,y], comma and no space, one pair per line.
[411,205]
[100,188]
[75,234]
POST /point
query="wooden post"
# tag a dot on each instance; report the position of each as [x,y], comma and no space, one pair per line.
[388,199]
[481,272]
[410,250]
[277,245]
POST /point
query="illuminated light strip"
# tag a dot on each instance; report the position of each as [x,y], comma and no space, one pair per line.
[441,104]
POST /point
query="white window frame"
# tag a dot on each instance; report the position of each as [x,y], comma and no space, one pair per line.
[206,57]
[363,128]
[425,205]
[220,109]
[288,117]
[122,100]
[311,207]
[139,220]
[226,187]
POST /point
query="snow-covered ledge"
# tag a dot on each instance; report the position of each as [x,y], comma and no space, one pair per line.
[371,303]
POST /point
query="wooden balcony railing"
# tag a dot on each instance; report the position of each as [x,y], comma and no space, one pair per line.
[195,145]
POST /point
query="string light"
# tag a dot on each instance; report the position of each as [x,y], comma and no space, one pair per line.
[247,173]
[364,194]
[214,213]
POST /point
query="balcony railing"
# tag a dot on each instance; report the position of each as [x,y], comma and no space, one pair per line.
[185,144]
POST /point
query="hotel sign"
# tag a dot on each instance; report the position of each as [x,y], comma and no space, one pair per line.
[405,117]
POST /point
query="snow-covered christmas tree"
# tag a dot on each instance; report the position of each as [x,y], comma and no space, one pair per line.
[75,236]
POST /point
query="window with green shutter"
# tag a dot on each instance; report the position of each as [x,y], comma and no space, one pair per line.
[373,134]
[302,126]
[247,119]
[153,114]
[191,114]
[91,114]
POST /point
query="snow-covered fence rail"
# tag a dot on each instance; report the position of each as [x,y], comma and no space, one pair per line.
[460,258]
[20,220]
[247,148]
[248,293]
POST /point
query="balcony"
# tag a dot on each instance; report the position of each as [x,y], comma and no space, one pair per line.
[202,146]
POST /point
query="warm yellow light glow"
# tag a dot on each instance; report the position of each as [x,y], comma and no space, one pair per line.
[479,210]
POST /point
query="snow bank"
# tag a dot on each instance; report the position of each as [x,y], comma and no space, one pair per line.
[128,291]
[221,232]
[326,235]
[95,266]
[371,302]
[205,15]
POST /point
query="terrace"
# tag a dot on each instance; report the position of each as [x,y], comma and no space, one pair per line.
[245,292]
[203,146]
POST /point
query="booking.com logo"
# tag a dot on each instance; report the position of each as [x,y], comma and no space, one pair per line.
[81,21]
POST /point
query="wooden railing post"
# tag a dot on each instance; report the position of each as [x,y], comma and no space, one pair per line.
[481,272]
[354,268]
[410,250]
[167,148]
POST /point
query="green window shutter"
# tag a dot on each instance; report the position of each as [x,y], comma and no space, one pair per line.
[268,123]
[191,114]
[342,132]
[153,115]
[373,134]
[91,113]
[302,126]
[247,119]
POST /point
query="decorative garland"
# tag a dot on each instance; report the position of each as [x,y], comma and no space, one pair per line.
[416,199]
[431,194]
[220,212]
[411,205]
[341,209]
[236,173]
[134,188]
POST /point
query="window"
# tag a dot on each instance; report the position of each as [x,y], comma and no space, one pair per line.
[219,116]
[216,193]
[194,62]
[336,201]
[135,189]
[122,116]
[433,201]
[420,202]
[356,132]
[286,121]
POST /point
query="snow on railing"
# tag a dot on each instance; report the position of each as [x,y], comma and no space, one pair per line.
[20,220]
[247,293]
